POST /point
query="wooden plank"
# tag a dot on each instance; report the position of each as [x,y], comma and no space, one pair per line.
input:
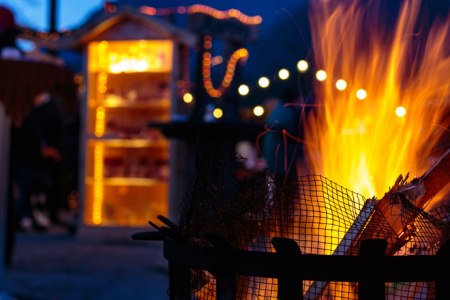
[318,287]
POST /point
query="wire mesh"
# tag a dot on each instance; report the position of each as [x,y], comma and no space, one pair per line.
[319,214]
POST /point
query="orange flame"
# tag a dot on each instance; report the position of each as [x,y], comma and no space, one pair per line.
[366,144]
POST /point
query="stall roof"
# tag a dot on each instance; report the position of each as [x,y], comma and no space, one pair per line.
[125,23]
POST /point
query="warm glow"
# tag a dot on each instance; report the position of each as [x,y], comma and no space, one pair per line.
[188,98]
[283,74]
[302,66]
[361,94]
[130,56]
[243,90]
[231,13]
[258,111]
[263,82]
[217,113]
[238,55]
[400,111]
[321,75]
[100,121]
[341,84]
[362,145]
[98,184]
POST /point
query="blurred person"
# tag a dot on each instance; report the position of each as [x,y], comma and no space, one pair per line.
[280,144]
[41,138]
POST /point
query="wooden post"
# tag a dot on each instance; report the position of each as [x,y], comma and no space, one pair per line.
[226,286]
[372,290]
[442,284]
[179,282]
[290,286]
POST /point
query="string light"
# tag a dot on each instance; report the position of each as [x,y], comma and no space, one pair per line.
[302,66]
[283,74]
[341,84]
[231,13]
[208,61]
[263,82]
[152,11]
[240,54]
[217,113]
[188,98]
[243,90]
[258,110]
[361,94]
[321,75]
[400,111]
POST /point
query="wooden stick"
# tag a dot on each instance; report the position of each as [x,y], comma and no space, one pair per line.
[419,191]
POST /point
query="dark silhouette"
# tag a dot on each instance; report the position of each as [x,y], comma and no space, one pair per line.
[39,165]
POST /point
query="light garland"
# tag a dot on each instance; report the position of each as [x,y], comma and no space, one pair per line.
[204,9]
[228,14]
[28,33]
[239,54]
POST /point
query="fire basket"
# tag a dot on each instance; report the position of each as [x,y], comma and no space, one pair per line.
[265,237]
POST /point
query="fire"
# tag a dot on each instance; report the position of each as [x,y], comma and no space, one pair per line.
[384,94]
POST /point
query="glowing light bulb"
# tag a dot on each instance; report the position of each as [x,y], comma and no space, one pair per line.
[263,82]
[243,90]
[258,110]
[302,66]
[341,84]
[361,94]
[400,111]
[188,98]
[283,74]
[321,75]
[217,113]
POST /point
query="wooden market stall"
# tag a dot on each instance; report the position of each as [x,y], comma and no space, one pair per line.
[133,64]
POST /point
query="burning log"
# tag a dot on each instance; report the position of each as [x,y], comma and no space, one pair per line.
[417,193]
[387,213]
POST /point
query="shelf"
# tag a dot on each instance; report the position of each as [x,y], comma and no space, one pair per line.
[157,104]
[136,73]
[127,181]
[129,143]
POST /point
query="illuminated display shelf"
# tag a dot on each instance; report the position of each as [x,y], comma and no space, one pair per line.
[160,104]
[128,181]
[130,143]
[126,172]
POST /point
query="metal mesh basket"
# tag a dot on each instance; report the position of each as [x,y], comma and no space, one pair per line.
[320,215]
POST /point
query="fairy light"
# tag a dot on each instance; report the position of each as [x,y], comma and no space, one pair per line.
[361,94]
[228,14]
[188,98]
[341,84]
[258,110]
[239,54]
[152,11]
[98,184]
[321,75]
[302,66]
[400,111]
[283,74]
[243,90]
[263,82]
[217,113]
